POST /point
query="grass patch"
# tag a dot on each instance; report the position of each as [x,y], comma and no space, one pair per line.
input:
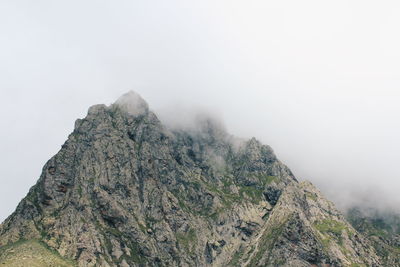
[254,193]
[332,229]
[311,196]
[266,179]
[32,253]
[330,226]
[187,240]
[267,242]
[237,257]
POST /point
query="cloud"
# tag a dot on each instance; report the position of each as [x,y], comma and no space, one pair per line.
[132,103]
[316,81]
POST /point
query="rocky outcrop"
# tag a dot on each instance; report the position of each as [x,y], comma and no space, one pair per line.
[382,228]
[125,190]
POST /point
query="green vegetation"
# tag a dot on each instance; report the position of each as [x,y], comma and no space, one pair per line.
[235,261]
[187,240]
[227,197]
[109,232]
[222,190]
[80,190]
[381,228]
[311,196]
[332,230]
[114,231]
[357,265]
[267,241]
[142,228]
[266,179]
[108,245]
[136,255]
[254,193]
[330,226]
[32,253]
[375,224]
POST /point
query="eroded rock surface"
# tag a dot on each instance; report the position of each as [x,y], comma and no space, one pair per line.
[125,190]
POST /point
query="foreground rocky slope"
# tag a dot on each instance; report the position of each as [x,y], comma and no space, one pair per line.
[382,228]
[31,253]
[124,190]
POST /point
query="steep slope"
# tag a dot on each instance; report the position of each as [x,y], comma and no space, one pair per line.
[304,228]
[124,190]
[382,229]
[31,253]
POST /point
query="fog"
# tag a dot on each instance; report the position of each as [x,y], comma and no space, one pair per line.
[318,81]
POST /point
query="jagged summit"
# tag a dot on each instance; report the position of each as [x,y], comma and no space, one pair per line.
[129,191]
[132,103]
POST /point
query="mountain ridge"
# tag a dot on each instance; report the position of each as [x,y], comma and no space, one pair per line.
[125,190]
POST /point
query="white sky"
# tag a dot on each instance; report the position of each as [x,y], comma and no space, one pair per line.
[317,80]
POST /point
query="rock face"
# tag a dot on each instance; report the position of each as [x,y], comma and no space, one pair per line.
[125,190]
[382,228]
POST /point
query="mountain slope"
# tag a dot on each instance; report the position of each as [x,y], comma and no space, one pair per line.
[382,229]
[31,253]
[124,190]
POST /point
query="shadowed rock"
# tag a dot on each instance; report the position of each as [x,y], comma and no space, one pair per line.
[125,190]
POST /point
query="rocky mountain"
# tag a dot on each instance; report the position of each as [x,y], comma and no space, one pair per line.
[126,190]
[382,228]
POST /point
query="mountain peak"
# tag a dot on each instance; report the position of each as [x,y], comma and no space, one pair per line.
[125,190]
[132,103]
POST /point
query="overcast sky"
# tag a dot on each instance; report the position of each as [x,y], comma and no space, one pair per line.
[317,80]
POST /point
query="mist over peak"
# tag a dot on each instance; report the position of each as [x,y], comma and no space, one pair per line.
[123,184]
[322,91]
[132,103]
